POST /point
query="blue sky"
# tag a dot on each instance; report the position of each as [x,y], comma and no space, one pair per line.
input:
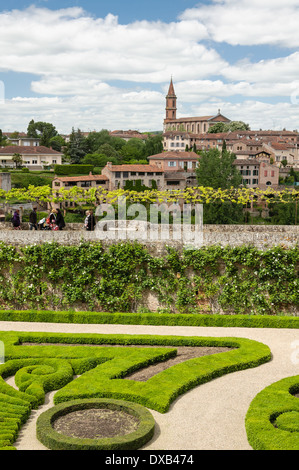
[106,65]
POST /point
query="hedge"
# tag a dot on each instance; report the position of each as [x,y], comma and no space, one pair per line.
[272,421]
[158,319]
[57,441]
[99,365]
[67,170]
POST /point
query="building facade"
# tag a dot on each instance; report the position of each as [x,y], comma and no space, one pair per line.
[33,157]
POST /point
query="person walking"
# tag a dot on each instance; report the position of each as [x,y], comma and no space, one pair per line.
[16,221]
[91,222]
[33,219]
[59,219]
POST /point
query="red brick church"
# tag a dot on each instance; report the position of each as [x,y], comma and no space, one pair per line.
[195,125]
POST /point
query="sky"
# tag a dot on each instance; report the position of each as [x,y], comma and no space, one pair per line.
[93,65]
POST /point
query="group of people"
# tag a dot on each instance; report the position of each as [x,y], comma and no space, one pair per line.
[55,220]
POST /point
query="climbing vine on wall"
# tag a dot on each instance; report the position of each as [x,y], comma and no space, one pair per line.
[118,277]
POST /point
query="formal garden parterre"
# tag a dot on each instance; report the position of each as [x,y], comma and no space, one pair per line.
[245,283]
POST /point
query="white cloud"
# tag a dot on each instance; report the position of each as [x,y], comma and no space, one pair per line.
[200,90]
[75,56]
[41,41]
[272,71]
[138,110]
[244,22]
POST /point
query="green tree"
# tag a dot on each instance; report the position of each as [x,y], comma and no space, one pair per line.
[77,147]
[17,159]
[3,139]
[108,151]
[217,171]
[45,131]
[57,142]
[97,160]
[232,126]
[133,150]
[153,145]
[283,213]
[96,139]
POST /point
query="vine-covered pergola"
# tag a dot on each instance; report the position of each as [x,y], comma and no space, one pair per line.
[44,195]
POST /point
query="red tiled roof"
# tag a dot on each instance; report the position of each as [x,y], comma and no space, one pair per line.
[28,150]
[142,168]
[175,154]
[66,179]
[279,146]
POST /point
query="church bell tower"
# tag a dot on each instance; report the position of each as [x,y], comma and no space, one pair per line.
[170,104]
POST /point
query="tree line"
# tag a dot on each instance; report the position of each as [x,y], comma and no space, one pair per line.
[97,148]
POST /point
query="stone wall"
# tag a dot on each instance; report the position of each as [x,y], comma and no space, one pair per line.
[260,236]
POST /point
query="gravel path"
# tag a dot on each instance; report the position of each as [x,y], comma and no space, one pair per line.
[209,417]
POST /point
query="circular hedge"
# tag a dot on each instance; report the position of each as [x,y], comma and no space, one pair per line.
[54,440]
[272,420]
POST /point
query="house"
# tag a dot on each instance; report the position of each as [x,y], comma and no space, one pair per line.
[85,181]
[33,157]
[24,141]
[179,168]
[258,173]
[175,161]
[118,175]
[127,135]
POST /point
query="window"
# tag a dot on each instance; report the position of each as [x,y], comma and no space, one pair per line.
[34,162]
[141,173]
[171,163]
[125,174]
[85,184]
[54,161]
[117,174]
[57,183]
[133,173]
[265,173]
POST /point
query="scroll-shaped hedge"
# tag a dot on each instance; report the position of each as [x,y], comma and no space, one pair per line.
[272,420]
